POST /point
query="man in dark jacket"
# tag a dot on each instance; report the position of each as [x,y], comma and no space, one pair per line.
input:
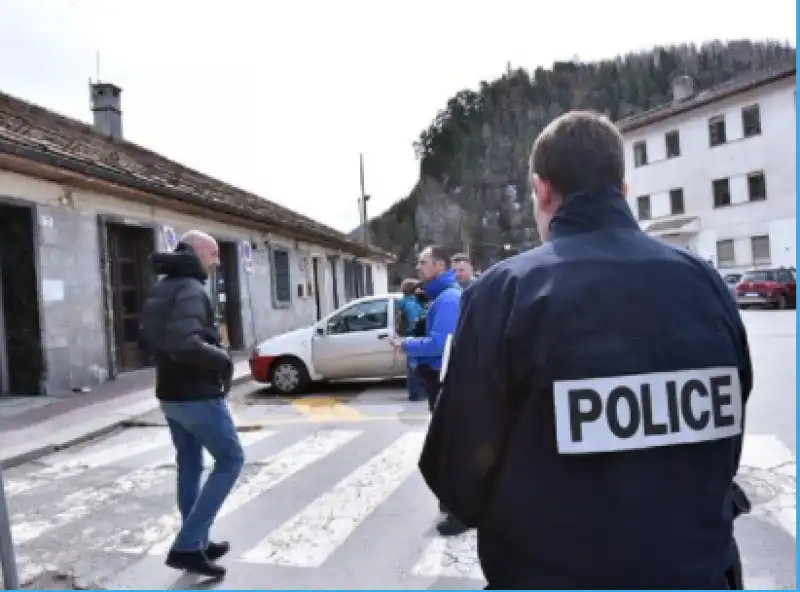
[193,373]
[590,423]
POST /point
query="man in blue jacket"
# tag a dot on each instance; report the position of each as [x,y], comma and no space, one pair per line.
[590,423]
[444,297]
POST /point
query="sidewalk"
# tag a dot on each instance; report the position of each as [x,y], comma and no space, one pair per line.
[46,426]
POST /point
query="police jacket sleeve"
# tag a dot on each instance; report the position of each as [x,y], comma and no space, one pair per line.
[184,332]
[445,318]
[471,418]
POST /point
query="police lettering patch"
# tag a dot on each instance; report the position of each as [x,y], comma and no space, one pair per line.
[647,410]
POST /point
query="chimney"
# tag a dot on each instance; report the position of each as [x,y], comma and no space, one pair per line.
[682,88]
[106,106]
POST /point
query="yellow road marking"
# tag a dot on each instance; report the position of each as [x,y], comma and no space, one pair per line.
[319,408]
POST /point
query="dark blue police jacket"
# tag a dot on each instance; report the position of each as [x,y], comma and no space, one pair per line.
[590,421]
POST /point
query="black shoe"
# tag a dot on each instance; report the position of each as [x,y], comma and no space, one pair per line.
[216,550]
[451,526]
[194,562]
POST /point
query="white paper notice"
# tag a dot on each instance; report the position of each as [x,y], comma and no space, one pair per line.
[448,344]
[52,290]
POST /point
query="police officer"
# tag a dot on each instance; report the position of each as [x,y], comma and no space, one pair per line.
[591,419]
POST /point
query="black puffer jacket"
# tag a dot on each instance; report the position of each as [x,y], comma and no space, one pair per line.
[177,327]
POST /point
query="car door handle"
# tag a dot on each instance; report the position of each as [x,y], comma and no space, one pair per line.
[383,335]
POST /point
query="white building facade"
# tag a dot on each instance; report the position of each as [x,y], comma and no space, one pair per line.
[714,172]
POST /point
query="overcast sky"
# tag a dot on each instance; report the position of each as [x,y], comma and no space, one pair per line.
[280,97]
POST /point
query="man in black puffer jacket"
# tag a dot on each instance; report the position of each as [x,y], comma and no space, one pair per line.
[193,373]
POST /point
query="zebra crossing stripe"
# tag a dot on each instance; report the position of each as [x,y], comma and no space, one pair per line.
[310,537]
[93,457]
[84,502]
[275,470]
[451,557]
[29,570]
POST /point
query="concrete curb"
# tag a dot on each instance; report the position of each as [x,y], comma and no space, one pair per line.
[103,427]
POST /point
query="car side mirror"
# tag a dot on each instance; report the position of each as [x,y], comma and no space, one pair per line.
[320,331]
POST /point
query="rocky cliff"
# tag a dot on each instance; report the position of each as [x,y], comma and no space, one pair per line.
[473,192]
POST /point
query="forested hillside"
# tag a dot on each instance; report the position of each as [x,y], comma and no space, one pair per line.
[474,156]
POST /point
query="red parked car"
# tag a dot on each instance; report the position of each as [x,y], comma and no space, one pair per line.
[776,287]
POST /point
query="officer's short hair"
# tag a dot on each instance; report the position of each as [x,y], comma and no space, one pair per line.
[579,151]
[460,258]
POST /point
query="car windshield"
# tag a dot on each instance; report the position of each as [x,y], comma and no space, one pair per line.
[762,275]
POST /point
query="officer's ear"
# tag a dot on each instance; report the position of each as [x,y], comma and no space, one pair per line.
[624,189]
[542,192]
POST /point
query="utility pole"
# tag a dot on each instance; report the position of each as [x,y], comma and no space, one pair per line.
[362,205]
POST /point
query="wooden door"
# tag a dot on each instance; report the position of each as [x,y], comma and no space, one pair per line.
[128,250]
[317,301]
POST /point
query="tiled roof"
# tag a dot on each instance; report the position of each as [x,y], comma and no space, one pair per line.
[716,93]
[39,134]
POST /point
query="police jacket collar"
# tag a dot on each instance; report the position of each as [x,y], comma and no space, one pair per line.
[592,210]
[446,279]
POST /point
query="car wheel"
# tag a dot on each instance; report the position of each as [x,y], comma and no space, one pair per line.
[782,302]
[289,376]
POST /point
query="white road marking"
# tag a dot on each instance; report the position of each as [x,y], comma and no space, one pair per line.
[451,557]
[11,407]
[765,458]
[98,455]
[160,531]
[310,537]
[29,570]
[30,525]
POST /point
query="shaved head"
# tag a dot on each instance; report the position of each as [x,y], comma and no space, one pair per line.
[197,237]
[204,245]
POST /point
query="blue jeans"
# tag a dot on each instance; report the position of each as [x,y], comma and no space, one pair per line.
[195,425]
[415,392]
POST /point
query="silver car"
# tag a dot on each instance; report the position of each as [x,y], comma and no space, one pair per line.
[351,343]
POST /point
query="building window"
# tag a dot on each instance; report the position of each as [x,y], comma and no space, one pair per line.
[676,202]
[354,280]
[751,121]
[759,245]
[281,276]
[359,271]
[757,186]
[349,280]
[640,154]
[722,192]
[673,142]
[716,130]
[643,207]
[726,255]
[370,286]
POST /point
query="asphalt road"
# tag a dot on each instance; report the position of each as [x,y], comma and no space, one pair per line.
[331,498]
